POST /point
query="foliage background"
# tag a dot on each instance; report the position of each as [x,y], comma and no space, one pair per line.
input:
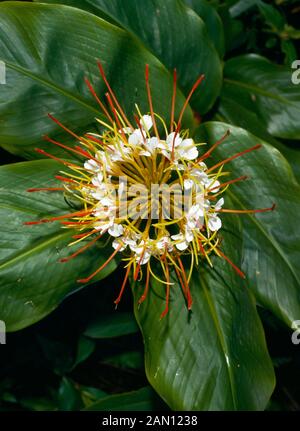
[84,354]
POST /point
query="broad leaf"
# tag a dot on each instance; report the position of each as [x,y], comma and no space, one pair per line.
[143,399]
[212,21]
[271,248]
[48,50]
[266,90]
[33,282]
[207,359]
[112,325]
[174,33]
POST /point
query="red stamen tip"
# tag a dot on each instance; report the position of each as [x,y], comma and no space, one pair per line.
[147,72]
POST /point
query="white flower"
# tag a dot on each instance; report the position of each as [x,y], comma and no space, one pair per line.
[116,230]
[142,252]
[92,165]
[146,122]
[151,145]
[214,222]
[163,244]
[183,240]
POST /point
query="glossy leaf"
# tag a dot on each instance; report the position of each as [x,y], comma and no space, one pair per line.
[143,399]
[48,50]
[175,34]
[206,359]
[212,21]
[266,90]
[33,282]
[271,248]
[112,325]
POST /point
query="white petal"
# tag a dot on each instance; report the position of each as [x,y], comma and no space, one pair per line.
[146,122]
[188,184]
[97,179]
[214,223]
[170,140]
[219,204]
[116,243]
[116,230]
[91,165]
[135,138]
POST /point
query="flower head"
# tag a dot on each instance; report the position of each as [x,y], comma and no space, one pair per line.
[146,185]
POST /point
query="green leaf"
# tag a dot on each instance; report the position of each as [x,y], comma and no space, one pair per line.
[143,399]
[33,282]
[271,257]
[84,350]
[68,396]
[112,325]
[48,50]
[207,359]
[272,16]
[266,90]
[174,33]
[212,21]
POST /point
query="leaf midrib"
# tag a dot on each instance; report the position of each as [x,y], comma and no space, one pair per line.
[53,86]
[261,91]
[34,249]
[221,340]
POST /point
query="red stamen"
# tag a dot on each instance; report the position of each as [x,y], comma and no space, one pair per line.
[113,95]
[140,127]
[82,249]
[256,147]
[86,234]
[215,145]
[94,94]
[144,295]
[136,274]
[163,314]
[64,127]
[45,189]
[92,138]
[150,100]
[123,286]
[260,210]
[64,179]
[65,147]
[244,177]
[195,86]
[86,280]
[238,271]
[116,116]
[188,293]
[75,214]
[64,162]
[173,100]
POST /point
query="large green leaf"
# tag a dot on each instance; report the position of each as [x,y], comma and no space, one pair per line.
[143,399]
[265,90]
[174,33]
[48,50]
[215,357]
[232,112]
[33,282]
[212,20]
[271,257]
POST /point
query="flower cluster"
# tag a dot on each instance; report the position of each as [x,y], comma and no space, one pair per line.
[146,186]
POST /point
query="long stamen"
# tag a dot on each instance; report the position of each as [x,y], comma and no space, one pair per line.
[150,101]
[188,293]
[113,95]
[123,286]
[49,220]
[81,250]
[173,100]
[244,177]
[163,314]
[87,279]
[102,106]
[260,210]
[144,295]
[65,147]
[45,189]
[256,147]
[215,145]
[238,271]
[57,159]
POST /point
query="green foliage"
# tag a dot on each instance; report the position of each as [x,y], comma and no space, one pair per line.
[88,355]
